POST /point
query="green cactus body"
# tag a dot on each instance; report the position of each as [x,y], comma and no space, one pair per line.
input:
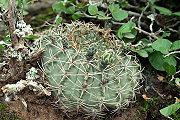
[87,68]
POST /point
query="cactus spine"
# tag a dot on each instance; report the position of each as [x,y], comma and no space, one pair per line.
[88,69]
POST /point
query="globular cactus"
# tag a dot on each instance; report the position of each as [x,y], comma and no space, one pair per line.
[88,69]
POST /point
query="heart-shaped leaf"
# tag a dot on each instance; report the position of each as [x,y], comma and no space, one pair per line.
[125,28]
[169,110]
[175,45]
[129,35]
[162,10]
[156,60]
[119,15]
[170,69]
[113,7]
[162,45]
[59,7]
[92,9]
[176,13]
[70,10]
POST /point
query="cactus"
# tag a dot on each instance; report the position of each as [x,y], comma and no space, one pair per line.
[87,68]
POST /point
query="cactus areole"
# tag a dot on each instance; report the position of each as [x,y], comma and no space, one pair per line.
[88,69]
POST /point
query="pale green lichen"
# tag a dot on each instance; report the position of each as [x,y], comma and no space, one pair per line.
[32,74]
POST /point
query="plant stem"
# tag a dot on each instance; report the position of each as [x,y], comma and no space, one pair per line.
[172,53]
[11,19]
[146,33]
[17,42]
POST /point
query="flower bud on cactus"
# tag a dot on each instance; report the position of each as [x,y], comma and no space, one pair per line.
[88,69]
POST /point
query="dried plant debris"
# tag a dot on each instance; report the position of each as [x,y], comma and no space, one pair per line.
[11,90]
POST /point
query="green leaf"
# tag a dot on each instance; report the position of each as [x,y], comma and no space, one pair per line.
[3,4]
[125,28]
[6,37]
[3,106]
[59,7]
[101,13]
[124,3]
[1,47]
[113,7]
[103,18]
[170,69]
[58,20]
[77,15]
[81,4]
[156,60]
[152,0]
[132,38]
[176,13]
[129,35]
[32,37]
[148,49]
[92,9]
[119,15]
[20,3]
[70,10]
[162,10]
[169,110]
[25,12]
[177,81]
[171,60]
[162,45]
[142,53]
[175,45]
[145,41]
[165,34]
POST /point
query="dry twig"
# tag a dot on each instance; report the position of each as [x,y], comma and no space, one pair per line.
[17,42]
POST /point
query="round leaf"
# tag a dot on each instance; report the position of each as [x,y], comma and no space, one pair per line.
[76,15]
[142,53]
[1,47]
[101,13]
[119,15]
[113,7]
[102,16]
[170,60]
[170,69]
[175,45]
[162,10]
[169,110]
[125,28]
[59,7]
[156,60]
[92,9]
[129,35]
[70,10]
[177,81]
[162,45]
[148,49]
[58,20]
[176,13]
